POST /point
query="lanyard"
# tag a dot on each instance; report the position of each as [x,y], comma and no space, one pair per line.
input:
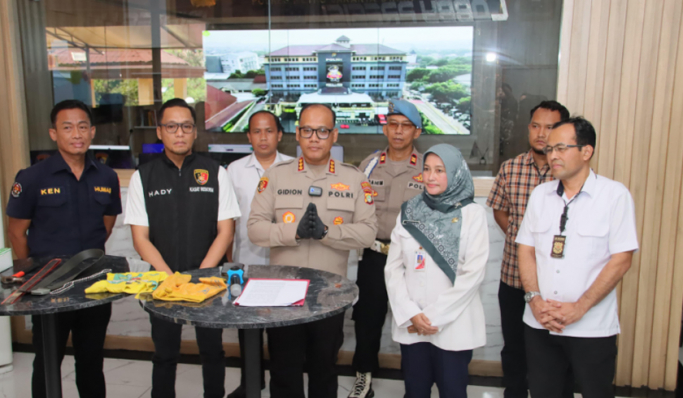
[564,218]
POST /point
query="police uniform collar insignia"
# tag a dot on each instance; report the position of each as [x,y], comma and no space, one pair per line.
[332,167]
[301,164]
[413,160]
[201,176]
[383,158]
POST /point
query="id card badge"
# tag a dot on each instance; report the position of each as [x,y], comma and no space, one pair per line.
[558,246]
[420,261]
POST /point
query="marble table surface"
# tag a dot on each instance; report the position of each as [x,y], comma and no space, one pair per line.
[328,294]
[70,300]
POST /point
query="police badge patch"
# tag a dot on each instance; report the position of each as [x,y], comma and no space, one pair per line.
[201,176]
[262,184]
[16,189]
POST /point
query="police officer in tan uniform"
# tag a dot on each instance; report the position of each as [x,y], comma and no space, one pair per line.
[395,174]
[311,212]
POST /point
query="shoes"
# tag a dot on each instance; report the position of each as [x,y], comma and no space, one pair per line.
[362,387]
[241,391]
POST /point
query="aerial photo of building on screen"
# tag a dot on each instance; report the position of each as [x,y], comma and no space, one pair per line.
[351,78]
[354,71]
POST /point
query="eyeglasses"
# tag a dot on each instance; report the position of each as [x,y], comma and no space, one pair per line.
[171,128]
[560,148]
[323,133]
[394,126]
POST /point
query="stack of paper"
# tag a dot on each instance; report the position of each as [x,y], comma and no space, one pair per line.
[273,293]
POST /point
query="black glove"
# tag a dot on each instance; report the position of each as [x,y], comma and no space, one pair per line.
[303,231]
[317,228]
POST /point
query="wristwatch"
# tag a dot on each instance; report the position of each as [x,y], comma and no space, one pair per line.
[530,295]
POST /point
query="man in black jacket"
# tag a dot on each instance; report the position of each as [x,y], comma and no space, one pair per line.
[181,209]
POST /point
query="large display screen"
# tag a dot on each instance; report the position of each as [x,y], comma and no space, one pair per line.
[354,71]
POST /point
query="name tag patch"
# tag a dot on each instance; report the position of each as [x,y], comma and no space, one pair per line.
[201,189]
[159,192]
[290,192]
[416,185]
[50,191]
[379,183]
[103,189]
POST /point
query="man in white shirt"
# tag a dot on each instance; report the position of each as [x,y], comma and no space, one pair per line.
[575,244]
[180,208]
[265,132]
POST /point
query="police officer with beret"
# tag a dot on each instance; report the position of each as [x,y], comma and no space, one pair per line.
[181,208]
[395,174]
[311,212]
[68,203]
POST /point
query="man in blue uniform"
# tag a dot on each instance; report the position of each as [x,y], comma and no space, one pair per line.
[181,208]
[68,203]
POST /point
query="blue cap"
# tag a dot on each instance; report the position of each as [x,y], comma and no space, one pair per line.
[407,109]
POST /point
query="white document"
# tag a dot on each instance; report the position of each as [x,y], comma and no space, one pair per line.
[273,293]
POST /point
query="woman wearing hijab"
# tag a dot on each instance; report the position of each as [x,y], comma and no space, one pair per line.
[435,265]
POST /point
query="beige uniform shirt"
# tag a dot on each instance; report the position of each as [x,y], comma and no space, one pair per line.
[346,207]
[393,183]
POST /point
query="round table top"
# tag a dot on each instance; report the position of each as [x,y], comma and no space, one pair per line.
[70,300]
[328,294]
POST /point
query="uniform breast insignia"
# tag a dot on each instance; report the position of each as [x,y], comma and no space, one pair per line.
[288,217]
[338,221]
[51,191]
[418,177]
[339,186]
[16,189]
[262,184]
[103,189]
[301,164]
[383,158]
[368,198]
[332,167]
[413,159]
[201,176]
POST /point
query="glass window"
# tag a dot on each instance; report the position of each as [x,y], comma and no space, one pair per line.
[474,68]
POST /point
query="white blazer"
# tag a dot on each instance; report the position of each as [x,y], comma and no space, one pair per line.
[456,309]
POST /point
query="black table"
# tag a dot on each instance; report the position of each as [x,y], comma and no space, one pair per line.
[49,305]
[328,295]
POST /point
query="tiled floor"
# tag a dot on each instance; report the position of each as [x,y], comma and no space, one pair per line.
[131,379]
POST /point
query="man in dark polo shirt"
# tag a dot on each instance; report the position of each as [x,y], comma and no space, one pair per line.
[68,203]
[181,208]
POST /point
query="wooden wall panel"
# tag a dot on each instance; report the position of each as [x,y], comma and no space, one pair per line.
[625,75]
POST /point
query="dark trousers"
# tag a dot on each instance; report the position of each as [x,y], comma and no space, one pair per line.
[88,328]
[166,337]
[549,357]
[424,364]
[513,355]
[243,381]
[370,311]
[314,344]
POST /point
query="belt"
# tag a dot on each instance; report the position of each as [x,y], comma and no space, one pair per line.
[67,271]
[380,247]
